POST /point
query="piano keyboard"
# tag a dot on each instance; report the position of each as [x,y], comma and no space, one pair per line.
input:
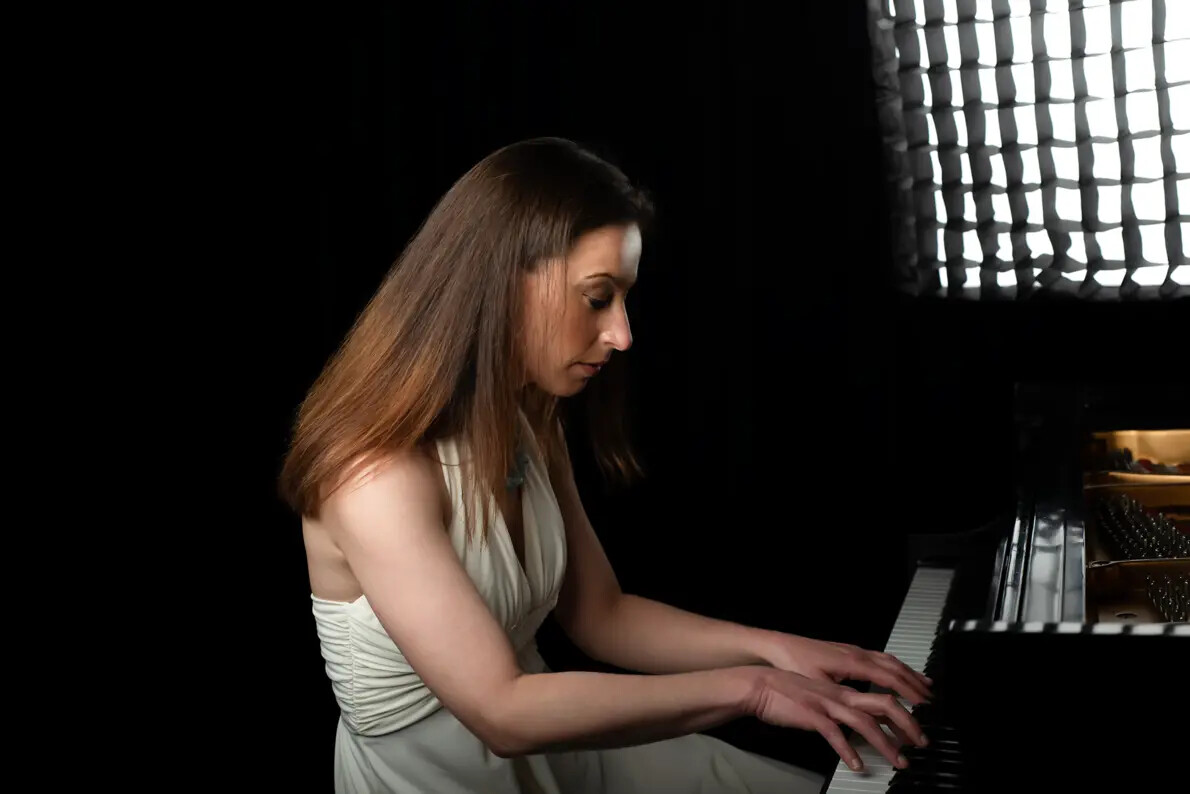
[910,641]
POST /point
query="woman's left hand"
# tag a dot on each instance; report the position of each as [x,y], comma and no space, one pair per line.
[837,662]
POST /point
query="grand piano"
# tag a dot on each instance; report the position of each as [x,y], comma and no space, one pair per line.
[1057,636]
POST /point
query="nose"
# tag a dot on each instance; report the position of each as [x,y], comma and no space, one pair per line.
[618,333]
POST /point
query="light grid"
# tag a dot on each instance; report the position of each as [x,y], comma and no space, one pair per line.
[1046,144]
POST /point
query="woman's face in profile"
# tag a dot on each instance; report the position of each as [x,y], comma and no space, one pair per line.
[575,315]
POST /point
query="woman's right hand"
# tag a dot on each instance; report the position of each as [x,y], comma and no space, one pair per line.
[794,701]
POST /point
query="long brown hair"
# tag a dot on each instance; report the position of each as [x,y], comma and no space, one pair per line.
[435,353]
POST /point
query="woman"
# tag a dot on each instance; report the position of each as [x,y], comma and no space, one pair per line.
[442,524]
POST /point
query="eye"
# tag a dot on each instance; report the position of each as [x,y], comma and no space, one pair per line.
[599,303]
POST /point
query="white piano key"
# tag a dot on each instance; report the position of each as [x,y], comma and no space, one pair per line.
[912,635]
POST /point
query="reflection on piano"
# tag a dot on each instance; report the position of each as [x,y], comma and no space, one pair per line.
[1056,637]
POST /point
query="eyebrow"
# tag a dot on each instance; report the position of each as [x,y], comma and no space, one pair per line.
[618,281]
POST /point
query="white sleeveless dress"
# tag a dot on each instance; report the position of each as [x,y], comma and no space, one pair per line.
[395,736]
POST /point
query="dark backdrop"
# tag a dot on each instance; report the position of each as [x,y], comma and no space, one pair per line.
[798,417]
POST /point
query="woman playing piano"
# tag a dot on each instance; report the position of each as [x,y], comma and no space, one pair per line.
[442,524]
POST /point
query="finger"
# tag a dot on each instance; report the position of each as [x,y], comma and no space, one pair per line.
[899,732]
[908,679]
[903,736]
[907,675]
[925,680]
[867,727]
[904,686]
[887,707]
[834,736]
[910,683]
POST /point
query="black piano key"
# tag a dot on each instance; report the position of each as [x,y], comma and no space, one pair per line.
[939,751]
[932,772]
[907,783]
[926,758]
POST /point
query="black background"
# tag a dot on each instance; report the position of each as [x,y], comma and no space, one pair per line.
[798,416]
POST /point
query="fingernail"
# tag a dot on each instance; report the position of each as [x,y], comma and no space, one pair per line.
[857,765]
[902,761]
[929,680]
[924,740]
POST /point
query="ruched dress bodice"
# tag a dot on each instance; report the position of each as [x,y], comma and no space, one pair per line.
[377,690]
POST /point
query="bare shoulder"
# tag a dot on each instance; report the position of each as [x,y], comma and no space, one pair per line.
[384,504]
[410,480]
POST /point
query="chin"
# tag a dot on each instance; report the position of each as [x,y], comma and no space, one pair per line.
[566,386]
[569,390]
[563,384]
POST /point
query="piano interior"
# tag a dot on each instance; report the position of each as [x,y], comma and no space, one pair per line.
[1060,649]
[1136,498]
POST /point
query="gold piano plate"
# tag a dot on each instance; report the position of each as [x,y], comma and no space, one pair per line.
[1166,448]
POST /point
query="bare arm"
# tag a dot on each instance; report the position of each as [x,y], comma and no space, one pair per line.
[579,710]
[653,637]
[390,526]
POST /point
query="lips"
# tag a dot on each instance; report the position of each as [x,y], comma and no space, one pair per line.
[592,369]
